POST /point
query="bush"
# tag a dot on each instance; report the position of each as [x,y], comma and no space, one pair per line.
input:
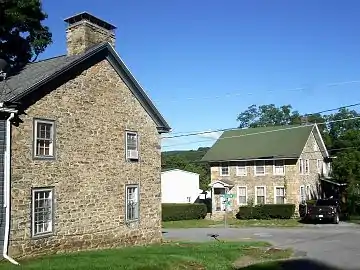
[266,211]
[183,211]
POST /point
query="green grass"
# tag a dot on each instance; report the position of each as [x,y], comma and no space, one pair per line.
[168,256]
[206,223]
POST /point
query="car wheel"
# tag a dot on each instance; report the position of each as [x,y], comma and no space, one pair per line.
[336,219]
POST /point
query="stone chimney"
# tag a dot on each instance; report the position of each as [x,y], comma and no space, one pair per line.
[85,30]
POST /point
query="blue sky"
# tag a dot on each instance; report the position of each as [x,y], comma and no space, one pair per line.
[202,62]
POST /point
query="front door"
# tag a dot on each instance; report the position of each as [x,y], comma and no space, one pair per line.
[219,199]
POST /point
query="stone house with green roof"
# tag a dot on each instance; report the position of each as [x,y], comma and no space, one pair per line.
[267,165]
[80,150]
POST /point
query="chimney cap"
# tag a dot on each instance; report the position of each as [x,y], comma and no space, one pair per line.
[91,18]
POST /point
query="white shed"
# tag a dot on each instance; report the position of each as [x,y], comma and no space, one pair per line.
[178,186]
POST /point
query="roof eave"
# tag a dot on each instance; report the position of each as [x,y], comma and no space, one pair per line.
[162,125]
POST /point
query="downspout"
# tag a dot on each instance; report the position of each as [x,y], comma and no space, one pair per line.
[7,189]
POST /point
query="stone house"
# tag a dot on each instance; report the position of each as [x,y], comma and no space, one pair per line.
[267,165]
[79,151]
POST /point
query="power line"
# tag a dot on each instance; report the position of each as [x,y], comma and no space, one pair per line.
[236,94]
[270,131]
[269,159]
[227,129]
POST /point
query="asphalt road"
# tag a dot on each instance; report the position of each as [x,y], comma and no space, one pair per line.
[338,245]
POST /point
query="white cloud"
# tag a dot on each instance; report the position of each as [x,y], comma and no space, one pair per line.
[211,135]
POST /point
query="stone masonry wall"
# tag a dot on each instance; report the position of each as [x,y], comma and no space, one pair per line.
[292,180]
[89,174]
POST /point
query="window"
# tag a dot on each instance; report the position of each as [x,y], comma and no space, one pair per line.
[132,151]
[308,192]
[307,166]
[224,170]
[242,195]
[188,199]
[301,166]
[241,169]
[279,167]
[43,138]
[42,211]
[319,166]
[302,194]
[279,195]
[304,166]
[132,202]
[260,195]
[260,167]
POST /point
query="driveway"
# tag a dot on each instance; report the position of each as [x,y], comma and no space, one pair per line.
[338,245]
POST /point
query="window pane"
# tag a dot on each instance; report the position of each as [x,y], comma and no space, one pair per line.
[42,209]
[280,200]
[260,170]
[224,170]
[242,199]
[131,141]
[132,204]
[260,199]
[260,191]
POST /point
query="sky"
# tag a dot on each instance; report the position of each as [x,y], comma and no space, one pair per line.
[203,62]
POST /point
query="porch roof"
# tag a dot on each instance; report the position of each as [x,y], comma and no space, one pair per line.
[224,182]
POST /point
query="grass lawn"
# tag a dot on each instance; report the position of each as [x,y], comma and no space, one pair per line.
[170,256]
[232,222]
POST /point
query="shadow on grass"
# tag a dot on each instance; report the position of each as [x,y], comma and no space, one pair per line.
[296,264]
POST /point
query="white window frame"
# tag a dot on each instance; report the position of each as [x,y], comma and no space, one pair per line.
[238,172]
[222,165]
[319,168]
[256,165]
[50,231]
[126,144]
[246,195]
[300,195]
[137,195]
[301,166]
[36,138]
[307,162]
[283,166]
[275,196]
[256,188]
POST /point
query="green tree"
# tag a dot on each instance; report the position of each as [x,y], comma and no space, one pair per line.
[188,161]
[22,35]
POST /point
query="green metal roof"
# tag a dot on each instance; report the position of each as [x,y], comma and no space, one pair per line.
[257,143]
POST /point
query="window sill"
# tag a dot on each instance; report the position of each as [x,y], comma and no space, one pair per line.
[259,174]
[132,220]
[241,175]
[42,235]
[44,158]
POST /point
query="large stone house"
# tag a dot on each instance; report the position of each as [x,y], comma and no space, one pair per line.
[79,150]
[267,165]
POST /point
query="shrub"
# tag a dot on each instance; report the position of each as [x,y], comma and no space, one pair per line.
[183,211]
[266,211]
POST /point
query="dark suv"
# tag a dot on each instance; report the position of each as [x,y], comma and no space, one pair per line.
[324,210]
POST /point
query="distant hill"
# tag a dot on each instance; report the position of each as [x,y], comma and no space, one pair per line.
[188,160]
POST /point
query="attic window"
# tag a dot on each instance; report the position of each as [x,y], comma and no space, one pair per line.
[260,167]
[44,134]
[224,170]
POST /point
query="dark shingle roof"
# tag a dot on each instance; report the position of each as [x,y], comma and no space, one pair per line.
[263,142]
[32,74]
[35,75]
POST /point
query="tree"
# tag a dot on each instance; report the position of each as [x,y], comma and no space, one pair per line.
[188,161]
[22,35]
[270,115]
